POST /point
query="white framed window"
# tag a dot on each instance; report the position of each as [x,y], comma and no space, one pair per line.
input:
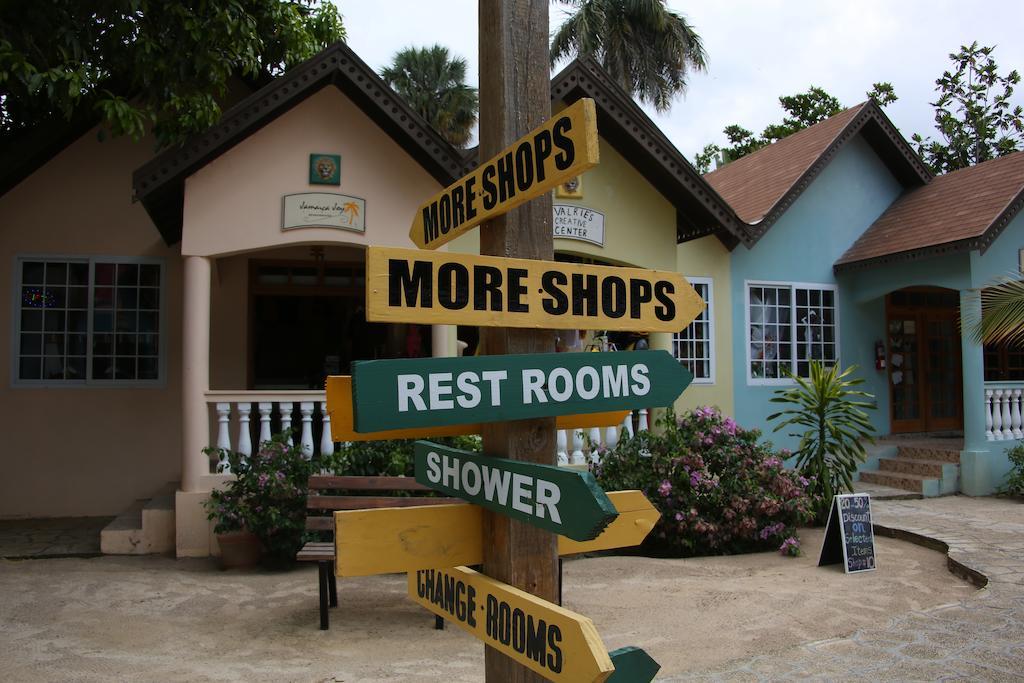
[88,320]
[695,345]
[788,325]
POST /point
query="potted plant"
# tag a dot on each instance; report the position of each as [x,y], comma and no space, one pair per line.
[261,513]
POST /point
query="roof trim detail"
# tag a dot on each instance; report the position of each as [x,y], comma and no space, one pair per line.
[885,139]
[700,209]
[159,184]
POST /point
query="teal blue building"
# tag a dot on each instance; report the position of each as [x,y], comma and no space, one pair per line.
[854,253]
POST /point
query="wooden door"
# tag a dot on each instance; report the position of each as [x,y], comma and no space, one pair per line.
[923,351]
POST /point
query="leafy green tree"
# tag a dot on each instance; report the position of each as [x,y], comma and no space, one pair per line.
[802,110]
[147,64]
[647,48]
[832,424]
[433,83]
[973,114]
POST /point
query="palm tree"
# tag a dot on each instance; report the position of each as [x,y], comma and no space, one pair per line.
[647,48]
[433,83]
[1002,314]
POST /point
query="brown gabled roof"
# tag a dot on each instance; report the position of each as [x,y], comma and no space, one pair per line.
[623,124]
[160,184]
[962,210]
[763,184]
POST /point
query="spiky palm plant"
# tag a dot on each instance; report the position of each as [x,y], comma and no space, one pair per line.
[647,48]
[835,425]
[1002,314]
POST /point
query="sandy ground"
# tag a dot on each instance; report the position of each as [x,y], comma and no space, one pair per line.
[152,618]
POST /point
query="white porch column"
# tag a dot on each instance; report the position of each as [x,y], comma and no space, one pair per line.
[195,372]
[441,339]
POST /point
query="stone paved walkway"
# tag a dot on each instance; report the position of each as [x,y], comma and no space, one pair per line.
[980,638]
[55,537]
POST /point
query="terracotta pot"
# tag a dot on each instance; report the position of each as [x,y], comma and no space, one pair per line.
[239,550]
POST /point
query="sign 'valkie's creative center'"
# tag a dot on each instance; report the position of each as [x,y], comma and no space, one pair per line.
[563,147]
[406,285]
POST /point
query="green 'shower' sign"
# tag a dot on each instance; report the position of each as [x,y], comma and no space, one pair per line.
[396,394]
[567,502]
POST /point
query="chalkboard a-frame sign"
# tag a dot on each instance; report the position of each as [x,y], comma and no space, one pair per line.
[849,536]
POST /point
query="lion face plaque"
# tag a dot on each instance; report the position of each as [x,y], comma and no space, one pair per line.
[325,169]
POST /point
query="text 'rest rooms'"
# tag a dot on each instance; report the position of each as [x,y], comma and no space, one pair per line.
[433,391]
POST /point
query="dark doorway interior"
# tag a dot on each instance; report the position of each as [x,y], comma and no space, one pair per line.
[307,326]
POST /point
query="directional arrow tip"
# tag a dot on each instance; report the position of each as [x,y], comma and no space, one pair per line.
[632,665]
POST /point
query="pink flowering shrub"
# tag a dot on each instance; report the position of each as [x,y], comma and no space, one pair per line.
[719,491]
[267,497]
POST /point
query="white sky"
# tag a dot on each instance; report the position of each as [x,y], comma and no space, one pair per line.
[757,50]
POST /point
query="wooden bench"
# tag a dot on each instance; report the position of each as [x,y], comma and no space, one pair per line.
[321,506]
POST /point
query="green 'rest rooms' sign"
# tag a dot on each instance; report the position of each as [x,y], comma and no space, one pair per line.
[396,394]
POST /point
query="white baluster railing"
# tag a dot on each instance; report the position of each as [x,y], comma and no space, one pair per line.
[326,443]
[244,438]
[585,444]
[577,448]
[231,413]
[1004,412]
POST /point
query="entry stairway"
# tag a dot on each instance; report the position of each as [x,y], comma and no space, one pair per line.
[146,527]
[928,466]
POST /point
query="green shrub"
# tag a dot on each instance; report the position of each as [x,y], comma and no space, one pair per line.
[835,427]
[1014,484]
[718,490]
[393,457]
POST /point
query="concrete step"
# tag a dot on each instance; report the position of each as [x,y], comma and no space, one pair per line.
[146,527]
[926,486]
[927,468]
[929,453]
[880,492]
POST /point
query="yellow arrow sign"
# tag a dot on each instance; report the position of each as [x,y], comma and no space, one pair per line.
[391,540]
[339,406]
[557,643]
[563,147]
[406,285]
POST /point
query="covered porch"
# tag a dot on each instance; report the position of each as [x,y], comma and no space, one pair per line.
[948,407]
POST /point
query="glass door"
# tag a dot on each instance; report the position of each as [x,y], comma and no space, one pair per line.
[904,378]
[925,370]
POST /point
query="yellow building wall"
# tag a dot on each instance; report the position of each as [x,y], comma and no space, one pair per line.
[707,257]
[639,223]
[640,231]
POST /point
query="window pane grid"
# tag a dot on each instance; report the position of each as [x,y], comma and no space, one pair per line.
[126,314]
[49,339]
[790,326]
[693,345]
[58,303]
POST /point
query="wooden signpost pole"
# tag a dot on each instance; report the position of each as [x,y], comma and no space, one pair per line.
[515,97]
